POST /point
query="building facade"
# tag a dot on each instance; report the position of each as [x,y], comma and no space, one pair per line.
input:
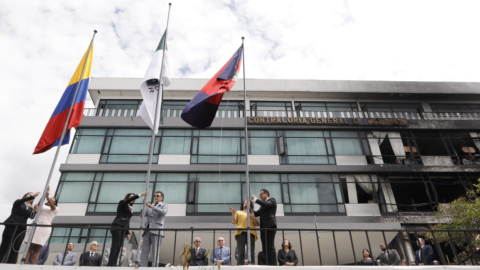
[351,155]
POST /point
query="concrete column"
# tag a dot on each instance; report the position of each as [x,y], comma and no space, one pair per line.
[409,252]
[375,148]
[426,107]
[352,189]
[388,194]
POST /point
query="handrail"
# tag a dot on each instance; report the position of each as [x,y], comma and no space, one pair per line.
[119,112]
[338,246]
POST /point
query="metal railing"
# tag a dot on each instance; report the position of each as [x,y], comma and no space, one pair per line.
[312,246]
[93,112]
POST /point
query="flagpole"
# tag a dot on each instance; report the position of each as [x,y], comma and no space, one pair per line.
[30,236]
[152,144]
[247,177]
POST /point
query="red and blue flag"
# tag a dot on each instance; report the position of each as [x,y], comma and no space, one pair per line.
[201,110]
[53,131]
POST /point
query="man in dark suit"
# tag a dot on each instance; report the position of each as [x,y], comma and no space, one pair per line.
[424,255]
[91,258]
[198,254]
[267,212]
[388,256]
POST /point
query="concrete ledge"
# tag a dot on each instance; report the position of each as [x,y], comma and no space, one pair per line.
[351,160]
[83,158]
[437,161]
[296,168]
[179,209]
[362,209]
[263,160]
[72,209]
[174,159]
[250,267]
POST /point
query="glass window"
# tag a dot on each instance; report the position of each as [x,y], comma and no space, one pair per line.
[172,177]
[130,145]
[125,177]
[119,104]
[390,107]
[216,146]
[174,192]
[326,106]
[305,147]
[455,108]
[214,192]
[343,145]
[314,192]
[347,147]
[111,192]
[88,141]
[87,145]
[174,104]
[78,176]
[175,146]
[74,192]
[270,105]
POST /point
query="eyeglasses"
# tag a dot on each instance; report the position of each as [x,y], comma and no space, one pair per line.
[158,195]
[94,244]
[198,241]
[220,240]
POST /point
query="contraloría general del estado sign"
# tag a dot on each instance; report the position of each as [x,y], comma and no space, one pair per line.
[262,120]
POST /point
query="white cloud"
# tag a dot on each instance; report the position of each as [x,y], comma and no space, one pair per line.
[43,41]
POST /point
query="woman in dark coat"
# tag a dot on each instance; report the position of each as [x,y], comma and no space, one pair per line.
[22,210]
[286,255]
[367,258]
[122,221]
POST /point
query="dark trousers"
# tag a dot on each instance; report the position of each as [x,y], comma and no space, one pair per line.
[8,236]
[241,243]
[118,236]
[268,246]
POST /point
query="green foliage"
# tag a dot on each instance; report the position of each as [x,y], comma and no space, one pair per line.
[461,214]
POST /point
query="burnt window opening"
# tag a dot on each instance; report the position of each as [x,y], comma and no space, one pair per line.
[430,144]
[412,193]
[463,147]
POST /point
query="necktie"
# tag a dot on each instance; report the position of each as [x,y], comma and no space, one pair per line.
[220,254]
[196,251]
[91,254]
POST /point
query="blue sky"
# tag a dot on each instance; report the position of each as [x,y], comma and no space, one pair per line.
[43,41]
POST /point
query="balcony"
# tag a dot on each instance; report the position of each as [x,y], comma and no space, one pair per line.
[174,113]
[314,247]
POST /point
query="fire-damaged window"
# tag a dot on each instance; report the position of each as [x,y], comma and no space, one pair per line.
[422,192]
[406,192]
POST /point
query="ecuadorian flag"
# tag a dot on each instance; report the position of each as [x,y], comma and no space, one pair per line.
[201,110]
[52,133]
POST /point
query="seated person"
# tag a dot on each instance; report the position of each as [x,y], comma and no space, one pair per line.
[198,257]
[286,255]
[221,254]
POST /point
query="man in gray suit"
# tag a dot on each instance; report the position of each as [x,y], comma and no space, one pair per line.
[152,239]
[388,256]
[70,258]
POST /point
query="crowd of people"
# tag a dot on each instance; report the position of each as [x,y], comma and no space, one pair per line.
[152,235]
[423,256]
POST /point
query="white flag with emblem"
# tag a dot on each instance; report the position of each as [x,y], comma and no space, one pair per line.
[151,85]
